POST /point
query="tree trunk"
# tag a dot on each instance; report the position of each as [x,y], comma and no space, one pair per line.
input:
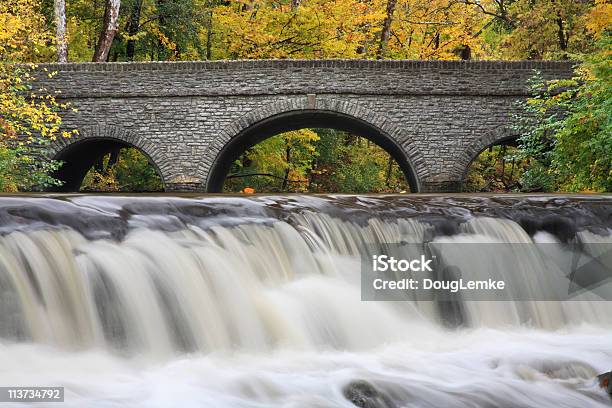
[113,159]
[563,37]
[133,26]
[286,176]
[386,30]
[209,34]
[161,21]
[466,52]
[109,29]
[60,31]
[389,171]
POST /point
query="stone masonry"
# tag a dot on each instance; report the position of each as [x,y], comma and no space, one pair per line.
[437,115]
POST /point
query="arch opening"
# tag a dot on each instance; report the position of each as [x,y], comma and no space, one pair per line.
[316,121]
[106,165]
[497,167]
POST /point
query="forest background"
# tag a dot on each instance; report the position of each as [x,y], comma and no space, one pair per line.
[565,130]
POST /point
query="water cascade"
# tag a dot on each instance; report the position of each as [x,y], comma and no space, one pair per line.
[255,302]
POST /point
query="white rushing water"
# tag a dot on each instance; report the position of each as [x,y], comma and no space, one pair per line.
[268,314]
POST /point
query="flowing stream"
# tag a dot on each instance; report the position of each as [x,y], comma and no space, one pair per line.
[256,302]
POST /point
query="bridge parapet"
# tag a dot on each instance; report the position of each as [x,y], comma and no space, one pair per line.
[272,77]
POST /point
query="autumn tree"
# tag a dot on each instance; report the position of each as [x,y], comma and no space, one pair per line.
[394,29]
[543,29]
[29,118]
[386,28]
[110,26]
[60,30]
[132,28]
[140,30]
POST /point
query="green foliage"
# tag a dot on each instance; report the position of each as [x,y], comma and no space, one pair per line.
[582,155]
[148,29]
[566,128]
[359,172]
[538,178]
[280,163]
[131,173]
[500,168]
[537,125]
[21,169]
[565,141]
[319,161]
[134,172]
[352,164]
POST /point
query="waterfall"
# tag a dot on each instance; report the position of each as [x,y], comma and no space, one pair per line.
[160,279]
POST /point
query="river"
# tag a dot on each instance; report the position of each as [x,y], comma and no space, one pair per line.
[255,301]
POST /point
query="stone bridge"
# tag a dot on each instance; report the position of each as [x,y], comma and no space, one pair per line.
[192,119]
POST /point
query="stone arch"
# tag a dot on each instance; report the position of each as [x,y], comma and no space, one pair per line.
[90,139]
[307,110]
[499,135]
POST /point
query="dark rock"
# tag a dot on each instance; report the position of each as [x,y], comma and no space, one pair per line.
[605,382]
[562,227]
[530,224]
[450,304]
[364,395]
